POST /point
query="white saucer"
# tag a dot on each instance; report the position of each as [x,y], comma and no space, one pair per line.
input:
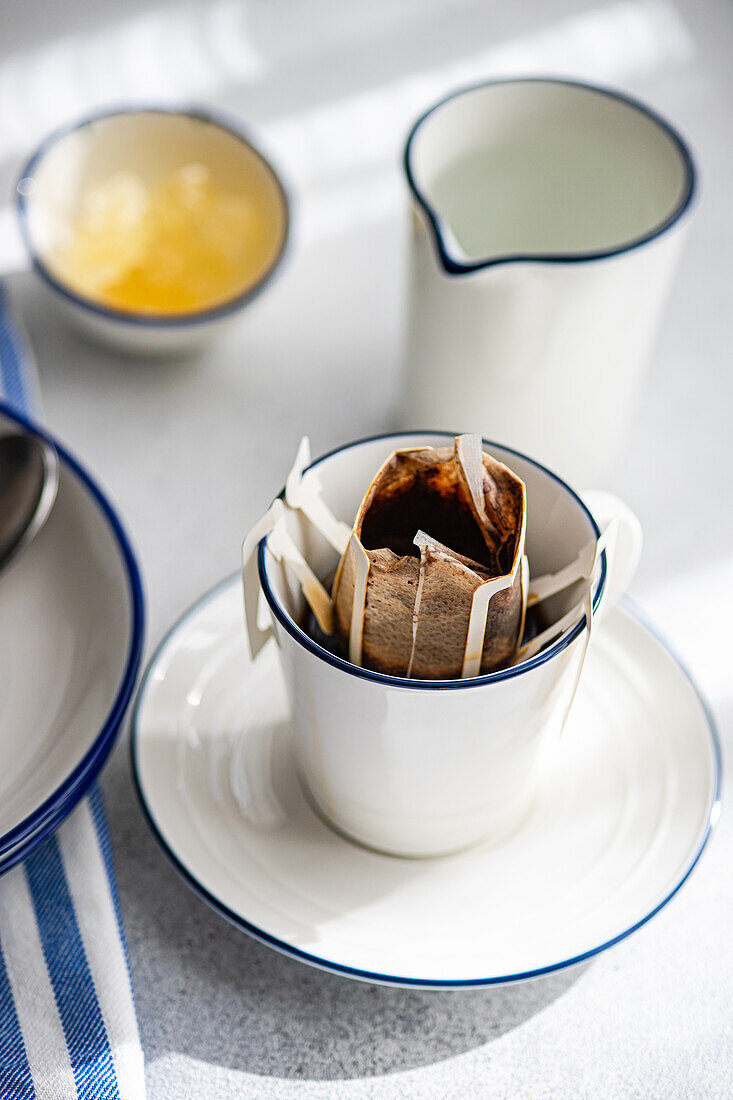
[625,809]
[71,624]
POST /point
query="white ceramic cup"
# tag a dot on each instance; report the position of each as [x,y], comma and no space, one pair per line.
[424,767]
[547,221]
[152,142]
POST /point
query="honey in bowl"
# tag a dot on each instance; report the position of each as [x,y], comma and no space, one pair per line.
[180,245]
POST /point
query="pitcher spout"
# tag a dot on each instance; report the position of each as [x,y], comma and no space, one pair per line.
[544,170]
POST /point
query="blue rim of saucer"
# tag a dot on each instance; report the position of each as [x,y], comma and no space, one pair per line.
[456,267]
[17,843]
[342,969]
[135,317]
[414,683]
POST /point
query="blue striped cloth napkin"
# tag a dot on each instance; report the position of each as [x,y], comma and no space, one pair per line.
[67,1019]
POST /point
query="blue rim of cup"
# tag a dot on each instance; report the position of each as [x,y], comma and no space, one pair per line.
[544,655]
[17,843]
[135,317]
[343,970]
[456,267]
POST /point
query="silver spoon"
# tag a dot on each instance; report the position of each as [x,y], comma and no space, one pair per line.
[29,478]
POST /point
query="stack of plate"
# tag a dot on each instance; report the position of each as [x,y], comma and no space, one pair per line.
[71,630]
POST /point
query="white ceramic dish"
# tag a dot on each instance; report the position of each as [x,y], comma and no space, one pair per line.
[152,142]
[71,629]
[624,810]
[548,218]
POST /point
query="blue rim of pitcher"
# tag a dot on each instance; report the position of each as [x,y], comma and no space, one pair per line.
[455,267]
[18,842]
[544,655]
[136,317]
[401,981]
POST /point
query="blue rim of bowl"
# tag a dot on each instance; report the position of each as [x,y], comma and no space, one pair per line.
[133,317]
[376,977]
[547,654]
[455,267]
[51,822]
[18,842]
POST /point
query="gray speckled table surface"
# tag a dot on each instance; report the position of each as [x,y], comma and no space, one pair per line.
[191,452]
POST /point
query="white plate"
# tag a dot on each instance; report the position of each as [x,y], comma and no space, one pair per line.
[625,808]
[71,623]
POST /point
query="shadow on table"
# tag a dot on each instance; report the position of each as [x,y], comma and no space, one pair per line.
[324,1027]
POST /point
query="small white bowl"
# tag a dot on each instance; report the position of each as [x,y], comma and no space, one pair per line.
[152,142]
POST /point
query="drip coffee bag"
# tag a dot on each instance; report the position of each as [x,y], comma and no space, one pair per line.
[433,581]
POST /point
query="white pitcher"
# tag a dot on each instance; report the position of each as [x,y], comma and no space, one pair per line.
[547,220]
